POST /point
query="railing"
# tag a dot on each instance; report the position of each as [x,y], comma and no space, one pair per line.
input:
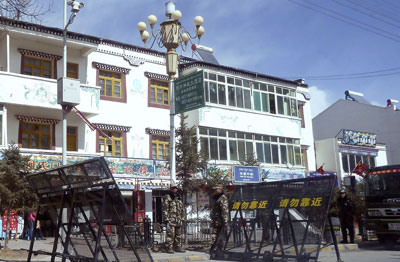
[153,234]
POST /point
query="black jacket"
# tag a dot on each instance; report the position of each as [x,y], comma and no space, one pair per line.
[345,210]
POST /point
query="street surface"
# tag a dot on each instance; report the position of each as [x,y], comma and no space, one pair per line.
[369,251]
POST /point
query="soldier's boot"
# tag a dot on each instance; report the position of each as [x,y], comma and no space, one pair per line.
[170,250]
[180,249]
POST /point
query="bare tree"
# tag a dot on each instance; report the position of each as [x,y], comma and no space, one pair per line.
[31,10]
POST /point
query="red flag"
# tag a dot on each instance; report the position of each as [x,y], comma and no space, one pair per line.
[321,170]
[360,169]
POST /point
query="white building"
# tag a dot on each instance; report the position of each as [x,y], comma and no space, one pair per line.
[352,130]
[124,93]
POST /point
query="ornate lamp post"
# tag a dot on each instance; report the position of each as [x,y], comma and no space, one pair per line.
[171,35]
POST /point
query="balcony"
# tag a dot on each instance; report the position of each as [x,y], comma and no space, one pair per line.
[41,92]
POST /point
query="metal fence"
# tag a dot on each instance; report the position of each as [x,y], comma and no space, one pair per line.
[153,234]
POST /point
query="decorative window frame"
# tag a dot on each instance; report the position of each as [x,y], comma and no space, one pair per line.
[40,120]
[115,69]
[41,55]
[157,77]
[155,132]
[114,128]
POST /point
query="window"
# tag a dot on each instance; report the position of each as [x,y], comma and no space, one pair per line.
[37,67]
[72,138]
[35,135]
[110,84]
[160,147]
[350,161]
[72,70]
[38,64]
[111,147]
[251,95]
[301,115]
[111,80]
[304,158]
[159,93]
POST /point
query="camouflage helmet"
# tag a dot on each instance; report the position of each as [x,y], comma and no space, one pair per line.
[343,190]
[173,185]
[218,186]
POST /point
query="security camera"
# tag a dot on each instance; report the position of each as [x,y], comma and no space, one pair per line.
[76,6]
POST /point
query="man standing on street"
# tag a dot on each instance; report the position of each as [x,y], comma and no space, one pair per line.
[173,216]
[219,214]
[346,210]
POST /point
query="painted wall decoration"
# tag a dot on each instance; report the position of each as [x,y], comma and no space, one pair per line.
[136,88]
[138,145]
[162,169]
[270,174]
[94,95]
[40,92]
[31,91]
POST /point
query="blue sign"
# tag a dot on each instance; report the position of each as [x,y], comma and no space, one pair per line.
[246,174]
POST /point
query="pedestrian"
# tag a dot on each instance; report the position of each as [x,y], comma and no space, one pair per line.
[173,215]
[39,232]
[346,215]
[219,214]
[31,221]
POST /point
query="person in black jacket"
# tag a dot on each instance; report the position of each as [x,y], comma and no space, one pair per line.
[345,212]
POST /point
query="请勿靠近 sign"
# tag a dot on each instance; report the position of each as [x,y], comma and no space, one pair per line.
[189,92]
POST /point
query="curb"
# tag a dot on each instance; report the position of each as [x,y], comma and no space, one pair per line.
[330,248]
[342,247]
[182,259]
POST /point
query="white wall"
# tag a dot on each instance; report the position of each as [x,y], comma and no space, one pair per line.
[135,112]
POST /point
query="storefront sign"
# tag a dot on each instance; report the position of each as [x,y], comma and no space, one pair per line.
[189,92]
[13,221]
[162,170]
[276,174]
[129,167]
[246,174]
[358,138]
[120,167]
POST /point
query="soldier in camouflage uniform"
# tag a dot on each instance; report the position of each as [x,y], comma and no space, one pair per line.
[219,213]
[173,218]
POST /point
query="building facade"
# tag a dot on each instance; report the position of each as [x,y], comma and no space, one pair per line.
[124,94]
[352,130]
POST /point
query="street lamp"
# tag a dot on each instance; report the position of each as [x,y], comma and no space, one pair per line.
[171,35]
[68,90]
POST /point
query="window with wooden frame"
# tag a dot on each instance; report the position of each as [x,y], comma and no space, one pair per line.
[112,82]
[160,147]
[72,138]
[35,135]
[72,70]
[37,67]
[159,93]
[112,147]
[39,64]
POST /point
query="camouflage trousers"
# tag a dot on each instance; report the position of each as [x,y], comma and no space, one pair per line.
[217,235]
[174,237]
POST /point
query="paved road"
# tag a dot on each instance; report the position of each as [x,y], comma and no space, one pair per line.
[369,251]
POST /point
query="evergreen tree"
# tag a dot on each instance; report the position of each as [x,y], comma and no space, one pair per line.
[189,161]
[15,193]
[250,160]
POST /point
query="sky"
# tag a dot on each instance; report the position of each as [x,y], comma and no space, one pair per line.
[335,45]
